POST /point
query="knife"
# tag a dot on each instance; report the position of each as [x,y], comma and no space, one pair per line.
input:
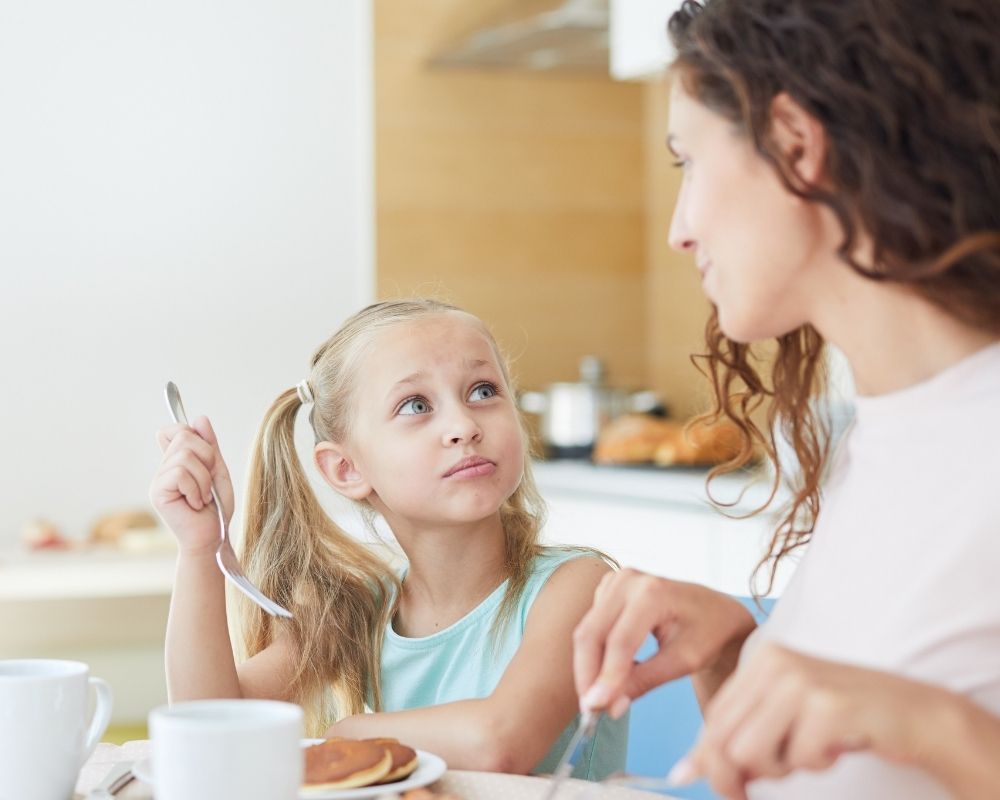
[116,779]
[584,731]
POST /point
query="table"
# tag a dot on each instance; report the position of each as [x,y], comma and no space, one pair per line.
[463,784]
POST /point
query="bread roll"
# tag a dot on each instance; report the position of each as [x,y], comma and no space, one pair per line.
[701,443]
[633,439]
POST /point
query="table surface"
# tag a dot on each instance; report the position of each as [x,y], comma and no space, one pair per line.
[464,785]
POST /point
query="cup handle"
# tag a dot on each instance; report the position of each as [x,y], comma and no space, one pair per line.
[102,716]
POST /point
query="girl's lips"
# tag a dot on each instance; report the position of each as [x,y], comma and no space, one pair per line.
[471,468]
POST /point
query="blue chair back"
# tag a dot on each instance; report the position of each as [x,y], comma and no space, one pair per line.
[664,723]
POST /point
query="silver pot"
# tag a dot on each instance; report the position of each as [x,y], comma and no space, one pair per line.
[572,414]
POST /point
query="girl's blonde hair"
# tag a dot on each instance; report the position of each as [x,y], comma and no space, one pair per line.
[342,595]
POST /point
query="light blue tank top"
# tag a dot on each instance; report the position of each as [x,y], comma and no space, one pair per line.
[463,662]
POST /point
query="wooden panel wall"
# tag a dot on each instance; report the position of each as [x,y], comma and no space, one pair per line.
[518,196]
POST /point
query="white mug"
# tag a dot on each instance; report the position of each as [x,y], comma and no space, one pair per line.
[44,733]
[208,749]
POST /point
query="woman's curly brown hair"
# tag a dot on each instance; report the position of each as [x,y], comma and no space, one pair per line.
[908,94]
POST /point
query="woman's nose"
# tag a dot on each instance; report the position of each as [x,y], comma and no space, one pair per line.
[680,237]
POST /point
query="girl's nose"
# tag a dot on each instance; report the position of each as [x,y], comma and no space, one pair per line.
[462,428]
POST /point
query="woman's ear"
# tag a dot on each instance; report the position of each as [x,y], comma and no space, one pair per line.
[340,472]
[800,139]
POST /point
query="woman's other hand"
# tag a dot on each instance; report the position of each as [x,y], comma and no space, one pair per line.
[783,711]
[181,490]
[699,631]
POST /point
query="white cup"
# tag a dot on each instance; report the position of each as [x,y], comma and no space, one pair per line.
[45,735]
[211,749]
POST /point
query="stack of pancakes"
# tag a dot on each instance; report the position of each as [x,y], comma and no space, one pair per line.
[352,763]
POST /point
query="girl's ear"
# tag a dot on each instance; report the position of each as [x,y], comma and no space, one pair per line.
[800,138]
[340,472]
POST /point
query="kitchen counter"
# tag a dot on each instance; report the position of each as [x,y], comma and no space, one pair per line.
[660,520]
[100,606]
[79,574]
[684,486]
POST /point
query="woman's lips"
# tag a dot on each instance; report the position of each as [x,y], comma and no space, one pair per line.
[474,467]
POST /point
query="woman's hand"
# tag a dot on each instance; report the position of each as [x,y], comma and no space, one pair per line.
[699,631]
[181,490]
[783,711]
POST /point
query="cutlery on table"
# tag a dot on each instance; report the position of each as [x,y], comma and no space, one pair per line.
[225,555]
[119,776]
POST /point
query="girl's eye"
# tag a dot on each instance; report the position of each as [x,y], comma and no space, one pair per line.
[483,391]
[415,405]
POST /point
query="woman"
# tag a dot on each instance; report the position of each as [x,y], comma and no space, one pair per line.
[841,184]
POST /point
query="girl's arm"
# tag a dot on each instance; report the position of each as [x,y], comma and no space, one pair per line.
[784,711]
[513,728]
[199,654]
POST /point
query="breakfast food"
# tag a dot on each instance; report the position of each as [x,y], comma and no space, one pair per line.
[633,439]
[643,439]
[41,534]
[346,764]
[404,759]
[110,528]
[701,443]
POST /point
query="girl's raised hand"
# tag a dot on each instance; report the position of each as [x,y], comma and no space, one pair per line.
[783,711]
[181,490]
[698,630]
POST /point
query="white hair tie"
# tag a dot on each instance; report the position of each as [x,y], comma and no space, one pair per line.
[304,391]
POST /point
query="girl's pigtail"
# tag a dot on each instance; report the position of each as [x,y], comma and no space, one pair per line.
[342,596]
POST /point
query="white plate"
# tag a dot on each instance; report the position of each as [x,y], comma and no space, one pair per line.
[429,768]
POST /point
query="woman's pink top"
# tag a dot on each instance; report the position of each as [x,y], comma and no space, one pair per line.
[903,570]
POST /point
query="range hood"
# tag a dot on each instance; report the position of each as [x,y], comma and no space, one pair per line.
[562,35]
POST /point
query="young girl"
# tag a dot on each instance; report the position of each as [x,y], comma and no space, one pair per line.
[467,653]
[841,183]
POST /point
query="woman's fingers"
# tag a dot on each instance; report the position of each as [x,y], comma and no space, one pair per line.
[758,745]
[725,778]
[639,616]
[746,691]
[782,712]
[690,623]
[591,632]
[627,607]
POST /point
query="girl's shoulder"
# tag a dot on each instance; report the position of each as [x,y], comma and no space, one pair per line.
[550,557]
[584,568]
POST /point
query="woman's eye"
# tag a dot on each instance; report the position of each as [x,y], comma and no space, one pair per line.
[483,391]
[415,405]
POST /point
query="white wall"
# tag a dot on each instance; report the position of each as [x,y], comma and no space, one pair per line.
[185,194]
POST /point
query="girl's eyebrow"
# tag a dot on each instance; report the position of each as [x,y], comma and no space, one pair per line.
[415,377]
